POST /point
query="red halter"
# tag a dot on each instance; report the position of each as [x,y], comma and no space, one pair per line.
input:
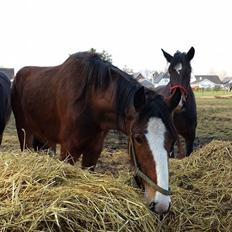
[182,89]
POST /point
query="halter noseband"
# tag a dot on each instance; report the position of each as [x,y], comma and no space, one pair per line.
[182,89]
[139,173]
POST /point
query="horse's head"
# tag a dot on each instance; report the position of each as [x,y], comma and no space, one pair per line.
[180,72]
[151,135]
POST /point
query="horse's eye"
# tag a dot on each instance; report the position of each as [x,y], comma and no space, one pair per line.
[139,138]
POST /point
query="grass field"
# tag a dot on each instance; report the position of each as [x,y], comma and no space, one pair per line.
[214,119]
[204,93]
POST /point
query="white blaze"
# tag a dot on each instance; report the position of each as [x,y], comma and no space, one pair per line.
[178,67]
[155,138]
[181,102]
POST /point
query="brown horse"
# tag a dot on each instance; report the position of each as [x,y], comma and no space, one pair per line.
[76,103]
[5,106]
[185,115]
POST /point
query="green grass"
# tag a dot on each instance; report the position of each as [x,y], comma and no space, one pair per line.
[214,119]
[203,93]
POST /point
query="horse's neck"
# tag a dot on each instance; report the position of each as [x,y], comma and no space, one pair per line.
[163,90]
[105,105]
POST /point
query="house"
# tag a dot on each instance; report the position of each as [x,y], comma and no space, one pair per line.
[227,80]
[143,81]
[227,83]
[9,72]
[161,79]
[146,83]
[138,76]
[205,81]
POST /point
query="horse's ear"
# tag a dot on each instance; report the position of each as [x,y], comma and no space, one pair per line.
[168,57]
[173,100]
[190,53]
[139,99]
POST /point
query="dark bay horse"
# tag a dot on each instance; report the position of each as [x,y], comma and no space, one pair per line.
[76,103]
[185,115]
[5,106]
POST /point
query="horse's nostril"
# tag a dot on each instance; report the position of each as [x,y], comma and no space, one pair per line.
[156,208]
[169,207]
[152,206]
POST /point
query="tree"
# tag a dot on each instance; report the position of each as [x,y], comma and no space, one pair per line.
[127,70]
[155,74]
[93,50]
[104,54]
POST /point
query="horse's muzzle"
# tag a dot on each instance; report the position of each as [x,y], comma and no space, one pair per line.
[159,208]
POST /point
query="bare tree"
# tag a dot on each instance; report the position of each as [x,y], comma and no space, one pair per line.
[127,70]
[104,54]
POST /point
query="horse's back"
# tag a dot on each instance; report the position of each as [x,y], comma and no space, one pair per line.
[32,74]
[41,99]
[34,90]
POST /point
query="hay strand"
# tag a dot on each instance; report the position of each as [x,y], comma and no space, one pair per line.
[40,193]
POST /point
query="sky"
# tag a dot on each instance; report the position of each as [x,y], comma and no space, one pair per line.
[45,32]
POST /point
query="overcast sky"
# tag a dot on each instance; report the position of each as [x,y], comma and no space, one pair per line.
[44,32]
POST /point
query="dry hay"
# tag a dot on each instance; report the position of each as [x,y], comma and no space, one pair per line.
[38,193]
[202,189]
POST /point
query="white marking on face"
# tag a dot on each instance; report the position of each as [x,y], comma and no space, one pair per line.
[156,137]
[178,67]
[181,102]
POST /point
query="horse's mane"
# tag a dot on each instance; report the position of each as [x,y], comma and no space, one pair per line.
[98,73]
[156,107]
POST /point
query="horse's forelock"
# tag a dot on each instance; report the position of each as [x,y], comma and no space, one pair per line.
[156,107]
[179,58]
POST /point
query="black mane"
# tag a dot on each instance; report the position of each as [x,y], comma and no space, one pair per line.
[156,107]
[99,73]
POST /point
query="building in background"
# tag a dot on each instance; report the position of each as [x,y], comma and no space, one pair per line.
[206,81]
[9,72]
[161,79]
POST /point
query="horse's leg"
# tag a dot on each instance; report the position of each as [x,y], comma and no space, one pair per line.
[25,136]
[189,136]
[2,128]
[69,154]
[19,118]
[92,153]
[38,145]
[189,140]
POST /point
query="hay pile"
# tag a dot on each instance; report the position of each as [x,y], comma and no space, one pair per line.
[202,186]
[38,193]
